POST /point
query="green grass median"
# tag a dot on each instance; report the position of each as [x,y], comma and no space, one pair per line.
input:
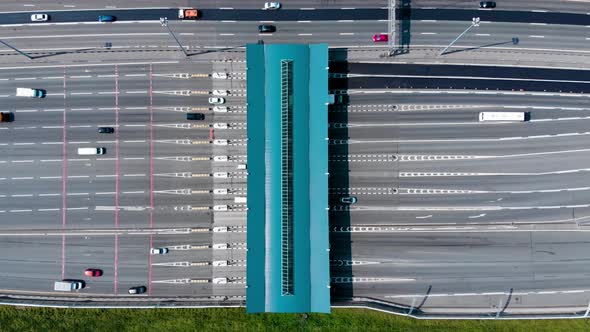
[233,319]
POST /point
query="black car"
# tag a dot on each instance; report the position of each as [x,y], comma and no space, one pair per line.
[195,116]
[487,4]
[137,290]
[106,130]
[266,28]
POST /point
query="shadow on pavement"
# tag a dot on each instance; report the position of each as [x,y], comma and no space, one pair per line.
[404,16]
[338,183]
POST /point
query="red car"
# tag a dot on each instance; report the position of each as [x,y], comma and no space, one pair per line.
[93,272]
[380,37]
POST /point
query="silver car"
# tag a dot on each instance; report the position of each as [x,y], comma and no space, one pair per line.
[159,251]
[39,17]
[271,5]
[216,100]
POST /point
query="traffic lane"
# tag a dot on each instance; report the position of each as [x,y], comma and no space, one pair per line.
[471,221]
[407,98]
[436,198]
[387,115]
[92,102]
[522,5]
[204,14]
[95,252]
[93,72]
[498,35]
[172,216]
[495,180]
[44,5]
[402,82]
[513,16]
[317,14]
[131,257]
[28,267]
[574,161]
[204,34]
[435,257]
[470,131]
[448,113]
[452,71]
[92,15]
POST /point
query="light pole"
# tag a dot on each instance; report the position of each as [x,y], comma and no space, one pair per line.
[164,23]
[474,23]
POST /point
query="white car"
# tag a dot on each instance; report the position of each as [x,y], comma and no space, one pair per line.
[216,100]
[159,251]
[220,141]
[220,75]
[271,5]
[39,17]
[220,109]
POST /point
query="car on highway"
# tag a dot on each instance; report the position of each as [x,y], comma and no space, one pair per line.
[219,75]
[348,200]
[137,290]
[380,37]
[487,4]
[195,116]
[93,272]
[106,130]
[264,28]
[271,5]
[39,17]
[216,100]
[159,251]
[106,18]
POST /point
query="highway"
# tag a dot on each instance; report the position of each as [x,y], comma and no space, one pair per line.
[452,213]
[462,270]
[156,174]
[456,212]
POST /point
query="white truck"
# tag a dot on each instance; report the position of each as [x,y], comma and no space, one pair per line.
[68,285]
[502,116]
[29,92]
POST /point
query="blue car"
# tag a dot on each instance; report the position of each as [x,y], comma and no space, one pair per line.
[348,200]
[106,18]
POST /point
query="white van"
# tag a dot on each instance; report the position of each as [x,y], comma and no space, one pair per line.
[91,151]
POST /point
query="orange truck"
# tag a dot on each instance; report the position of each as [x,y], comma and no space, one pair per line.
[188,13]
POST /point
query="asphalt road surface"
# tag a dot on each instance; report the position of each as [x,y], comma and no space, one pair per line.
[152,188]
[451,212]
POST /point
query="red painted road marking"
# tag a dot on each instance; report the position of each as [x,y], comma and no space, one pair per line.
[151,177]
[64,173]
[116,177]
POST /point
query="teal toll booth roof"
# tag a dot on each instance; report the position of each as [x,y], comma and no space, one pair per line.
[288,246]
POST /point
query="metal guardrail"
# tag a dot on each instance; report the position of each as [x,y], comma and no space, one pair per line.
[573,312]
[569,312]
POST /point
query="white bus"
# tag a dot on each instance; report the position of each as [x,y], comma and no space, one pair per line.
[502,116]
